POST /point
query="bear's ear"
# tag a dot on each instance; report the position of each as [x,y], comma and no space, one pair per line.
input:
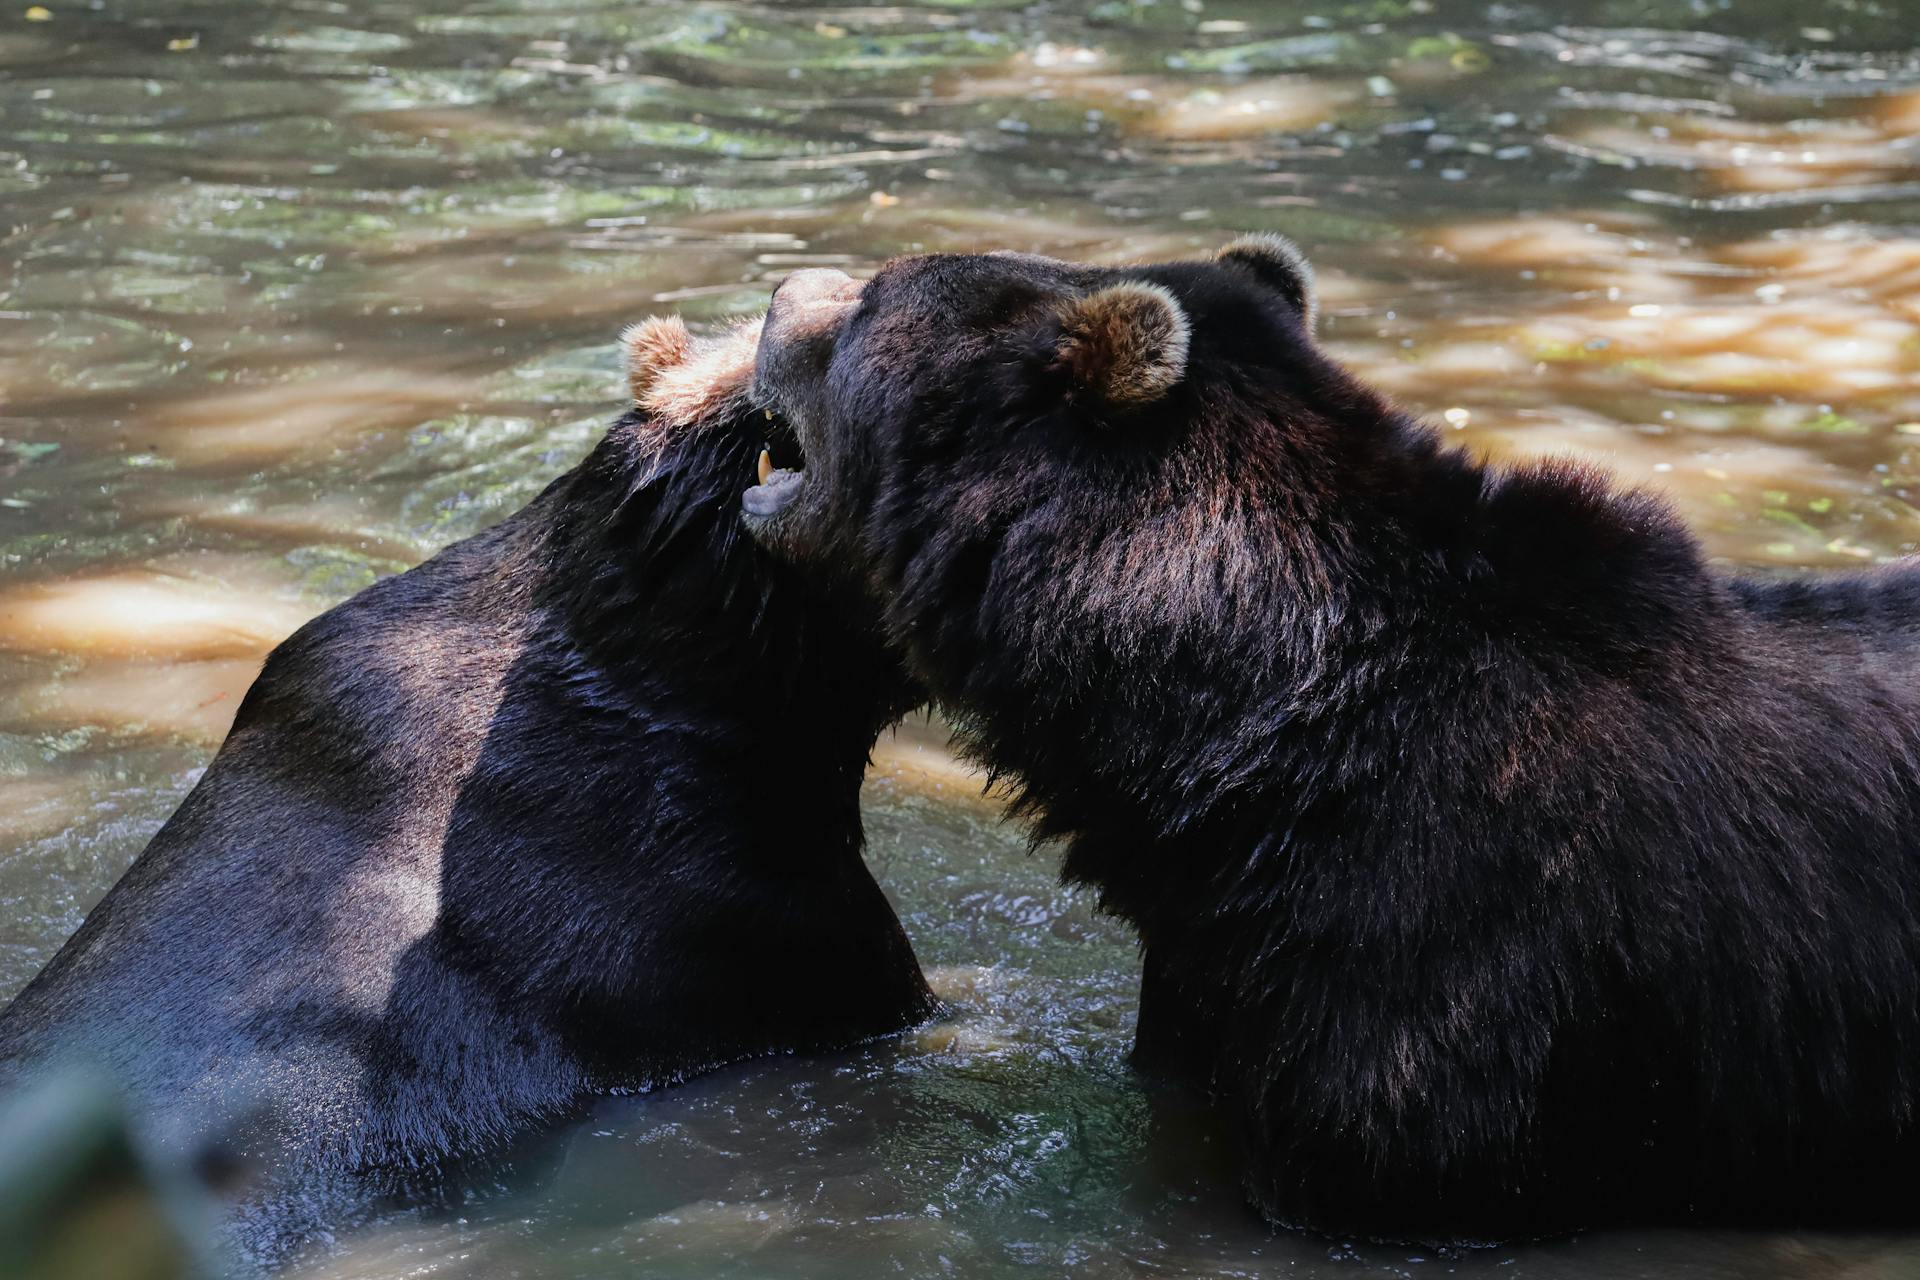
[1277,262]
[1127,344]
[653,346]
[688,382]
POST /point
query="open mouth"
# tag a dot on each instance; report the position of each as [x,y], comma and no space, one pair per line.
[782,467]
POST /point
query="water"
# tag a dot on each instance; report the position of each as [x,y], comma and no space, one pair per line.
[291,295]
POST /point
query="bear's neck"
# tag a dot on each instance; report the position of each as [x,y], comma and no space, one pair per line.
[676,753]
[1286,649]
[664,597]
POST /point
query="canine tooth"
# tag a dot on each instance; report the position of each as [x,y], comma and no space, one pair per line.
[766,464]
[769,414]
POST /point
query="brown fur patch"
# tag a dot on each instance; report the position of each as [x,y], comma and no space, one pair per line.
[680,380]
[1127,343]
[653,346]
[715,371]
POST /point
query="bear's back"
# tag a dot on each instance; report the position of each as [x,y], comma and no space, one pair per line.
[260,935]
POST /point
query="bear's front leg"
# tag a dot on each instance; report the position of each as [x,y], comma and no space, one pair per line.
[1393,1101]
[1176,1038]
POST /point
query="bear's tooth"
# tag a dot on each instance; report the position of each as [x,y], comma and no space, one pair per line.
[766,464]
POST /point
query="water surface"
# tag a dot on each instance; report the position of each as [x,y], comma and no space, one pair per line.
[292,295]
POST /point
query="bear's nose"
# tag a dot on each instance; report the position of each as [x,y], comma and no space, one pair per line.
[810,301]
[816,284]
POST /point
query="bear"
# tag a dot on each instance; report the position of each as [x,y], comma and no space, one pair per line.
[570,808]
[1501,866]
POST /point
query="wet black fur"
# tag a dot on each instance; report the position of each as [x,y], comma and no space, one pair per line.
[571,807]
[1500,865]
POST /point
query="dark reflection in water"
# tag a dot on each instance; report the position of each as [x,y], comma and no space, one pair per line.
[291,295]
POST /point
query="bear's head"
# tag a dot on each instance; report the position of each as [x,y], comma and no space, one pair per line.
[679,586]
[975,429]
[1120,511]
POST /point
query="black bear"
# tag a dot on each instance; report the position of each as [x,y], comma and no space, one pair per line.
[571,807]
[1500,865]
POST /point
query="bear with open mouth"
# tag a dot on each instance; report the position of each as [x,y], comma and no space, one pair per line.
[1500,865]
[570,808]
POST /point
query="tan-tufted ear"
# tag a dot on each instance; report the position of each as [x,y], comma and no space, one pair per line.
[1127,344]
[653,346]
[714,377]
[1277,262]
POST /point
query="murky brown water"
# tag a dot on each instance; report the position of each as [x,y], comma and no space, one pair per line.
[291,295]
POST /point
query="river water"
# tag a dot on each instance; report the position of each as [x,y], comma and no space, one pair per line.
[293,294]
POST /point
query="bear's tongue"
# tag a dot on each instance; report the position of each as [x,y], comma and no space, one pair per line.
[779,471]
[775,490]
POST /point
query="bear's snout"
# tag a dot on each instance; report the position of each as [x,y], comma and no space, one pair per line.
[797,341]
[811,302]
